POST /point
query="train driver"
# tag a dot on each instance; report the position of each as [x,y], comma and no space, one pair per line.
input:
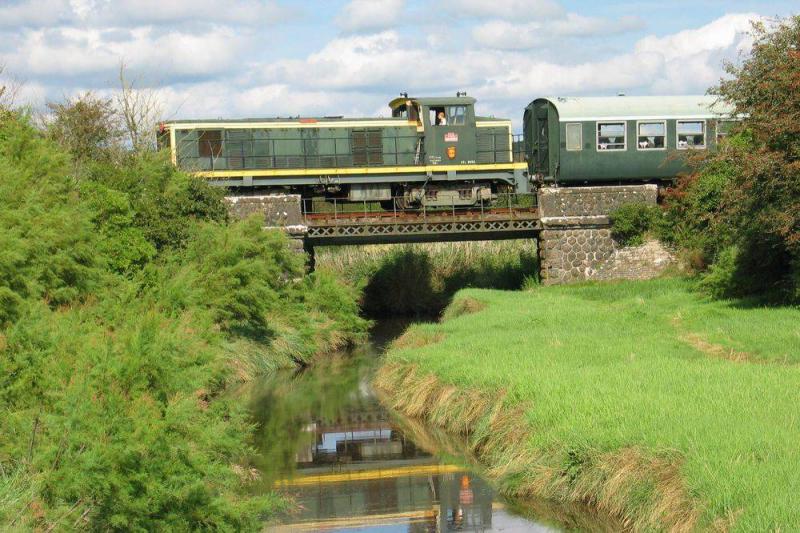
[441,119]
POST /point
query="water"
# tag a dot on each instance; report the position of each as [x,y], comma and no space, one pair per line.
[324,439]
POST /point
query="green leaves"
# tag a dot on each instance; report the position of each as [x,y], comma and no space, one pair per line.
[126,304]
[741,208]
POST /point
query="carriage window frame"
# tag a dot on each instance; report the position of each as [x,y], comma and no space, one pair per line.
[579,125]
[678,134]
[638,134]
[599,123]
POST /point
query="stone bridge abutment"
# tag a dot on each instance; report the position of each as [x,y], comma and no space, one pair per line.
[571,224]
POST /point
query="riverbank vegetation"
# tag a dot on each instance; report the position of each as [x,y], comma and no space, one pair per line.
[419,280]
[643,399]
[736,217]
[128,303]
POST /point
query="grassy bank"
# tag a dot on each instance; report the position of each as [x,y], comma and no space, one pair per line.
[420,279]
[641,398]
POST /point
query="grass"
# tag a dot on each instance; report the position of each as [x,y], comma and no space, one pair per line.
[644,399]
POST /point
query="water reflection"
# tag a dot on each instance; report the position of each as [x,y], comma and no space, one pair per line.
[324,439]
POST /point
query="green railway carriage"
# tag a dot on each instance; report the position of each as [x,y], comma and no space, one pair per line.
[576,140]
[430,151]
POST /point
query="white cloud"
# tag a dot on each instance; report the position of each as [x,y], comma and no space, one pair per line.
[96,13]
[73,52]
[721,33]
[513,10]
[212,70]
[46,12]
[505,35]
[361,15]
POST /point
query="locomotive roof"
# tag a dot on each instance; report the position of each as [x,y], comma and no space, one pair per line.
[434,100]
[583,108]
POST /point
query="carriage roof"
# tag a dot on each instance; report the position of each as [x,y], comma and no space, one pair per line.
[581,108]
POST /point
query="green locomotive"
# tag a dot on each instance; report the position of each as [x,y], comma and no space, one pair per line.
[431,151]
[438,152]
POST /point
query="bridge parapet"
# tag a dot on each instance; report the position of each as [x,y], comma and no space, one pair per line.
[576,242]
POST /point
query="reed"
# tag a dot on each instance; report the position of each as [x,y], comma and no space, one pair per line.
[420,279]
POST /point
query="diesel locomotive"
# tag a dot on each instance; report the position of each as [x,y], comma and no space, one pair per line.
[437,151]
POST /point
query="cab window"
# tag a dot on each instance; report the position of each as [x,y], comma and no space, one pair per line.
[456,115]
[438,116]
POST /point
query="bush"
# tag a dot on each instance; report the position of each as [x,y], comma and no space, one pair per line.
[127,304]
[741,205]
[631,223]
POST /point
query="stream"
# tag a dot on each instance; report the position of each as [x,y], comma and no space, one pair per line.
[324,439]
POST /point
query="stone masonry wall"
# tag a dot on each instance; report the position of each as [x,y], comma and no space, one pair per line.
[576,242]
[278,210]
[560,202]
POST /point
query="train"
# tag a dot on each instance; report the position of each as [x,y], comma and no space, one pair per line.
[436,151]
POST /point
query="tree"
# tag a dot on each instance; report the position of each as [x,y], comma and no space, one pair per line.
[140,110]
[743,202]
[87,126]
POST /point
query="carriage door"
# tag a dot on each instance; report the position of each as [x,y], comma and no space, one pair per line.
[450,134]
[541,140]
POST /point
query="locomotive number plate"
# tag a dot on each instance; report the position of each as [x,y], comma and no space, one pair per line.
[451,137]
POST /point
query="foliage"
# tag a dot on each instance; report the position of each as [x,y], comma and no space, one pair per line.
[687,374]
[630,223]
[127,304]
[86,126]
[46,242]
[747,194]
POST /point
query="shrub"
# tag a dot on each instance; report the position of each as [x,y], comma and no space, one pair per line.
[630,223]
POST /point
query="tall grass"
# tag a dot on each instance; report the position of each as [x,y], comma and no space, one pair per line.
[420,279]
[641,398]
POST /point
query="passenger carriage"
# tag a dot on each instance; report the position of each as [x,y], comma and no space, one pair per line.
[594,140]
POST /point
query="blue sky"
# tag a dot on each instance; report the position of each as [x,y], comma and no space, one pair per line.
[240,58]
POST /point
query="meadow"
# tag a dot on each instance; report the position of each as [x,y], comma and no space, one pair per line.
[645,400]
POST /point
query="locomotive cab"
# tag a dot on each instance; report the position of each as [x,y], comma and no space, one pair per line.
[448,126]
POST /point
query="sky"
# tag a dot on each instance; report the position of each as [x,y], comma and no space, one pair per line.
[260,58]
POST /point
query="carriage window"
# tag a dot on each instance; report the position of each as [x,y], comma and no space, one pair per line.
[456,115]
[574,137]
[611,136]
[651,135]
[209,143]
[691,134]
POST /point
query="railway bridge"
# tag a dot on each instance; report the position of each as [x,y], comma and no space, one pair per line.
[571,225]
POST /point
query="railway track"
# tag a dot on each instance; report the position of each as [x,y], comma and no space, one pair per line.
[417,215]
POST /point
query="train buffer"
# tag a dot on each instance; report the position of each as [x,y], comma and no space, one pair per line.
[508,216]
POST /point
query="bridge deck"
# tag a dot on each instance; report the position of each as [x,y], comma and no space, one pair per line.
[422,225]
